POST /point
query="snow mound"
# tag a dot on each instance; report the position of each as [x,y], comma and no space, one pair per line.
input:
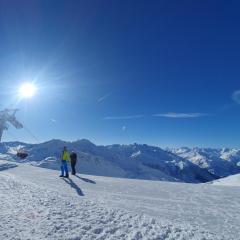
[233,180]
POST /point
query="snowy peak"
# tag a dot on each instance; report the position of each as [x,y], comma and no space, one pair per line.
[221,162]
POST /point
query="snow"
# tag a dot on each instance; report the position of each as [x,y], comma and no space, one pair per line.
[36,204]
[220,162]
[233,180]
[136,154]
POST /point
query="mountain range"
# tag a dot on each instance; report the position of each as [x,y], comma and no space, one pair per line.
[139,161]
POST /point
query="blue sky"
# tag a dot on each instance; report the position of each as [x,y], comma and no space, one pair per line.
[158,72]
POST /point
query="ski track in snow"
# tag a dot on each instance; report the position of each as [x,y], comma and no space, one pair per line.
[37,205]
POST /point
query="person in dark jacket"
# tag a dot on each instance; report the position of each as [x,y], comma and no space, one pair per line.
[73,157]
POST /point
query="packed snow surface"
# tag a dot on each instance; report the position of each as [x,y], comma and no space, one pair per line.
[37,204]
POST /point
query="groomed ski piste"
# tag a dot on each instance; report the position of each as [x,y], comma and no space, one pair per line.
[37,204]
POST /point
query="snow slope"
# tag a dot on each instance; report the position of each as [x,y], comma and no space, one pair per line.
[233,180]
[36,204]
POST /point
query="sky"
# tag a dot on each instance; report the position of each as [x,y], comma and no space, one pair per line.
[159,72]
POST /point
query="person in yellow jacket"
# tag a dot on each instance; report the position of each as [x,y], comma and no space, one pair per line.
[65,158]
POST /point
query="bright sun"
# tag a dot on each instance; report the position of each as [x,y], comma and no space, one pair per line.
[27,90]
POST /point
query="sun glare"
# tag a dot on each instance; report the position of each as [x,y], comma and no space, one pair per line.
[27,90]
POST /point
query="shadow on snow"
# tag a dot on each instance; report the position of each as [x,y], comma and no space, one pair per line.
[74,186]
[86,179]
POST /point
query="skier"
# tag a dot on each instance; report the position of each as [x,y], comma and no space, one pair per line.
[73,157]
[65,157]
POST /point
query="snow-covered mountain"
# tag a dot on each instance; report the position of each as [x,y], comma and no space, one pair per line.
[156,158]
[128,161]
[220,162]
